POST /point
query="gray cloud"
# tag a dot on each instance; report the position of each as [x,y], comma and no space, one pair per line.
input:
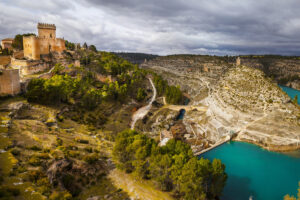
[164,26]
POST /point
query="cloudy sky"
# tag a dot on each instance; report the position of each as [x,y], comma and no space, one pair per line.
[219,27]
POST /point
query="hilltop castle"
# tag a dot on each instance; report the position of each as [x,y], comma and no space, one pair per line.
[44,43]
[18,69]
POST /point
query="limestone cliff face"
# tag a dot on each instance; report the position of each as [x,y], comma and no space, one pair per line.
[284,71]
[240,100]
[192,73]
[254,107]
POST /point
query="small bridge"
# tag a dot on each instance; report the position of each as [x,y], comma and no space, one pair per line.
[227,139]
[186,107]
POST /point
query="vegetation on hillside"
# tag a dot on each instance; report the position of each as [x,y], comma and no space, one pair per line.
[69,45]
[285,80]
[84,88]
[5,51]
[172,167]
[67,129]
[173,93]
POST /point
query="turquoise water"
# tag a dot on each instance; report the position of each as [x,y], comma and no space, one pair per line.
[291,92]
[181,114]
[255,172]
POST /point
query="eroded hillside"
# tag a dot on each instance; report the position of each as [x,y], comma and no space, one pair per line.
[239,101]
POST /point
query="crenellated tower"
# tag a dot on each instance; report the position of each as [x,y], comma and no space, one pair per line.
[46,31]
[43,44]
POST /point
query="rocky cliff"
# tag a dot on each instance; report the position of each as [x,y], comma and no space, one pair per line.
[284,70]
[239,101]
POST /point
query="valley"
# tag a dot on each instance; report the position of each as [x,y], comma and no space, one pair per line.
[239,101]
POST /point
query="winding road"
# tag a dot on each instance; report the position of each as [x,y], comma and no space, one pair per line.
[142,112]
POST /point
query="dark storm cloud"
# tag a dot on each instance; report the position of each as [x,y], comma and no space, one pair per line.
[165,27]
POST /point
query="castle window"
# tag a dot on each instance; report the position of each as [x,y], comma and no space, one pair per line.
[50,35]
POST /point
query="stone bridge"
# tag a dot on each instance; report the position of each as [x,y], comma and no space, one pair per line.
[186,107]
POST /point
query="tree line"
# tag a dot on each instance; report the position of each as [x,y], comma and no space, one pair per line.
[171,167]
[173,93]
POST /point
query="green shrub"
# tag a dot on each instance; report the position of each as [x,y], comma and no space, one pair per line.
[172,167]
[64,195]
[88,149]
[35,148]
[83,141]
[43,156]
[73,154]
[35,175]
[8,191]
[91,158]
[141,94]
[35,161]
[44,186]
[59,141]
[15,152]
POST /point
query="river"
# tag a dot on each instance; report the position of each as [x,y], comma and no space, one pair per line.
[142,112]
[291,92]
[253,171]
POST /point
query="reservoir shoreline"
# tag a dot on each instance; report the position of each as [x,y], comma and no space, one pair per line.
[254,171]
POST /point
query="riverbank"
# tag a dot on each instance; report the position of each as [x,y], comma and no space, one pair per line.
[253,171]
[270,147]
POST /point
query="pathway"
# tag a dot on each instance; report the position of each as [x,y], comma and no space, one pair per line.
[227,139]
[142,112]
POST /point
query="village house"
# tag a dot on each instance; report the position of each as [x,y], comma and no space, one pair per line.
[7,43]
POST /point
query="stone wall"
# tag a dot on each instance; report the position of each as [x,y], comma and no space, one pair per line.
[9,82]
[27,67]
[4,60]
[18,54]
[28,70]
[31,47]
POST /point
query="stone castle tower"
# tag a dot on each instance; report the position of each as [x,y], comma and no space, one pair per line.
[44,43]
[238,61]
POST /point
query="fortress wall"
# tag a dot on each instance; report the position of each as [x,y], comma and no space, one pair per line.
[5,60]
[59,45]
[18,54]
[45,45]
[16,63]
[10,82]
[31,47]
[33,69]
[29,67]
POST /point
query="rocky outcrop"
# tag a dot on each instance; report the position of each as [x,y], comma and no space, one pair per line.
[73,175]
[240,101]
[285,71]
[178,131]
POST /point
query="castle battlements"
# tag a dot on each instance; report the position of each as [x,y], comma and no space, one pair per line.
[43,44]
[46,26]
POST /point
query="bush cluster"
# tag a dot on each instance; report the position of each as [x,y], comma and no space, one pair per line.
[173,93]
[172,167]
